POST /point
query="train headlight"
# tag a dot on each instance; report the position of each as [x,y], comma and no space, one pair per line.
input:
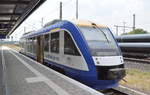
[98,62]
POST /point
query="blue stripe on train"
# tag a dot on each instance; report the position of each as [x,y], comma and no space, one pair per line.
[85,78]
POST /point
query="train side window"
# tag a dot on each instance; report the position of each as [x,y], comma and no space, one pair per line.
[69,46]
[46,43]
[28,45]
[31,44]
[30,41]
[34,45]
[54,42]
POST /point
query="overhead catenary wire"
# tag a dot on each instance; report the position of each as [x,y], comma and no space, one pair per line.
[57,9]
[52,12]
[44,19]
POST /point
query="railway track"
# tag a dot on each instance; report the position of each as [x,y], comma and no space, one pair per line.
[122,90]
[113,92]
[140,64]
[138,60]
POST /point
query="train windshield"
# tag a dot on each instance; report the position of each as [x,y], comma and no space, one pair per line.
[100,41]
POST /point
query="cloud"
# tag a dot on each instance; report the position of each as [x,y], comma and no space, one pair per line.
[108,12]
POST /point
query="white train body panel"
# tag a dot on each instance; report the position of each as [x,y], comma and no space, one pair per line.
[108,60]
[75,62]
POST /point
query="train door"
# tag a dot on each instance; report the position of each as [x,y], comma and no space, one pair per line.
[39,51]
[72,56]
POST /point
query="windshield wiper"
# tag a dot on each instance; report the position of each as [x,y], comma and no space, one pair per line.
[95,26]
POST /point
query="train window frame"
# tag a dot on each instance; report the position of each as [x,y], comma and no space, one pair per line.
[55,44]
[48,42]
[34,45]
[30,42]
[28,45]
[76,50]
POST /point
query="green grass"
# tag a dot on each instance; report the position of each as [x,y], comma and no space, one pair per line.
[137,79]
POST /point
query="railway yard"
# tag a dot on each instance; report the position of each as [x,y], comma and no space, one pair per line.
[135,49]
[138,75]
[137,80]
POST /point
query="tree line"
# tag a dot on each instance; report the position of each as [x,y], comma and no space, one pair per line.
[136,31]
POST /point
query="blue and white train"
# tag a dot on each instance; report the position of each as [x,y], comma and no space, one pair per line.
[81,50]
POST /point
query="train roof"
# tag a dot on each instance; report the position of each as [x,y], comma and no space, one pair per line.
[87,23]
[58,23]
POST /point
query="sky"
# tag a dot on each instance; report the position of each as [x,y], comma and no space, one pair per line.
[107,12]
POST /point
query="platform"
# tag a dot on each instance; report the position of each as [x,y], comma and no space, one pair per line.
[21,75]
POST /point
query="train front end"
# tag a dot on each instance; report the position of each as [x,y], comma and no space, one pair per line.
[106,55]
